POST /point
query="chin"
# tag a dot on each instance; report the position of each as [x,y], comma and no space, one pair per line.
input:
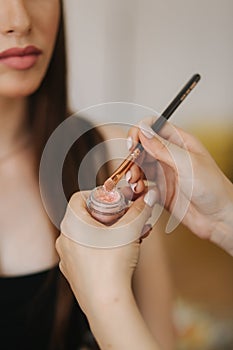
[16,90]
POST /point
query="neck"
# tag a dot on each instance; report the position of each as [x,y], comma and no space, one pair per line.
[13,126]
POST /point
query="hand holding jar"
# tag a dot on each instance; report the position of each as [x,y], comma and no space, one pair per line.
[84,237]
[101,278]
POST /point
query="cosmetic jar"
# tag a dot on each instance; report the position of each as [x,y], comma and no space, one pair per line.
[106,207]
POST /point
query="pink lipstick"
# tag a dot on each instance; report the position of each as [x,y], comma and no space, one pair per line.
[20,58]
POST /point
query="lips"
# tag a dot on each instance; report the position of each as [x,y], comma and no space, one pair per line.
[20,58]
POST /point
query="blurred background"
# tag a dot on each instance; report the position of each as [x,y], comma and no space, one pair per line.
[143,52]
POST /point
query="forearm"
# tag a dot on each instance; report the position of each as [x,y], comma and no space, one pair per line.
[117,324]
[153,290]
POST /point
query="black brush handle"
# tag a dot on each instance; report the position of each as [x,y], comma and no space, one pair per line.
[176,102]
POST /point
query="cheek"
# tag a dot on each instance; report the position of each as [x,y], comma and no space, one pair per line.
[48,23]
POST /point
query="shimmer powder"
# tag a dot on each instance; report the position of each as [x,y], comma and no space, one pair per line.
[106,207]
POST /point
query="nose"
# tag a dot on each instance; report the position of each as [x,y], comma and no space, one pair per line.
[14,18]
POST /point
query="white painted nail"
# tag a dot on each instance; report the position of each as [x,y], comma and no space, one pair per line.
[133,186]
[146,130]
[129,143]
[151,198]
[128,175]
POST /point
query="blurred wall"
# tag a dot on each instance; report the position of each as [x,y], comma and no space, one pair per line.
[143,51]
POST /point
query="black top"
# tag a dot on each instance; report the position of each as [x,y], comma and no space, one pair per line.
[27,312]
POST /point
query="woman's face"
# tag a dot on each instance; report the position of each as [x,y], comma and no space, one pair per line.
[28,30]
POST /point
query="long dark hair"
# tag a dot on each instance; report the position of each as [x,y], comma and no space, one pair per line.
[47,108]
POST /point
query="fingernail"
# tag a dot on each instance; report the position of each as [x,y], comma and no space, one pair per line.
[146,231]
[129,143]
[128,175]
[133,186]
[151,198]
[146,130]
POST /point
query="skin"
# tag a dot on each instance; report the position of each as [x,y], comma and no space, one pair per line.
[27,240]
[209,215]
[23,23]
[104,284]
[154,295]
[185,163]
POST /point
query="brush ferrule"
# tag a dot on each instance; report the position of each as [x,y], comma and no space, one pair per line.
[125,165]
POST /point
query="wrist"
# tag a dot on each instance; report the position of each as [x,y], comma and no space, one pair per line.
[222,233]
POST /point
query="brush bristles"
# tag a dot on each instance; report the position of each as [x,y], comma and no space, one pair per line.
[109,185]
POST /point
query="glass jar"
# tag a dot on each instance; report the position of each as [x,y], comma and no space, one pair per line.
[106,207]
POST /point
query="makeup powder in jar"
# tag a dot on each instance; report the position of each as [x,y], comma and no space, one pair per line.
[106,207]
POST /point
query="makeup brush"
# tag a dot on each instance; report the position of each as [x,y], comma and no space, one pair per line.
[111,182]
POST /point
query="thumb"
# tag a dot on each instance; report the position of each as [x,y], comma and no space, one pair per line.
[159,148]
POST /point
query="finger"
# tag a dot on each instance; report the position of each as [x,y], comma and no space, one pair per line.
[161,149]
[78,200]
[133,174]
[77,210]
[133,137]
[150,172]
[138,187]
[129,194]
[149,167]
[177,136]
[181,138]
[168,132]
[141,207]
[146,231]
